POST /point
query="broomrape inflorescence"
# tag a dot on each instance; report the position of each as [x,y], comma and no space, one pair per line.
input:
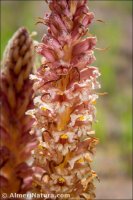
[16,97]
[64,102]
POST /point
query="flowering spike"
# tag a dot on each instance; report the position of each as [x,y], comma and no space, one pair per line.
[16,98]
[64,102]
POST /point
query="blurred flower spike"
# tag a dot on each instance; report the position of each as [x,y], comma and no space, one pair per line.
[16,97]
[64,103]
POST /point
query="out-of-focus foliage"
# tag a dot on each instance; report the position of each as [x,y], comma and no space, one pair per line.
[19,13]
[116,68]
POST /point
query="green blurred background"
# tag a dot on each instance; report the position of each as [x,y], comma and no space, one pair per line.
[113,160]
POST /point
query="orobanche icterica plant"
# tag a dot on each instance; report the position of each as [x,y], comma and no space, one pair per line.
[16,98]
[64,102]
